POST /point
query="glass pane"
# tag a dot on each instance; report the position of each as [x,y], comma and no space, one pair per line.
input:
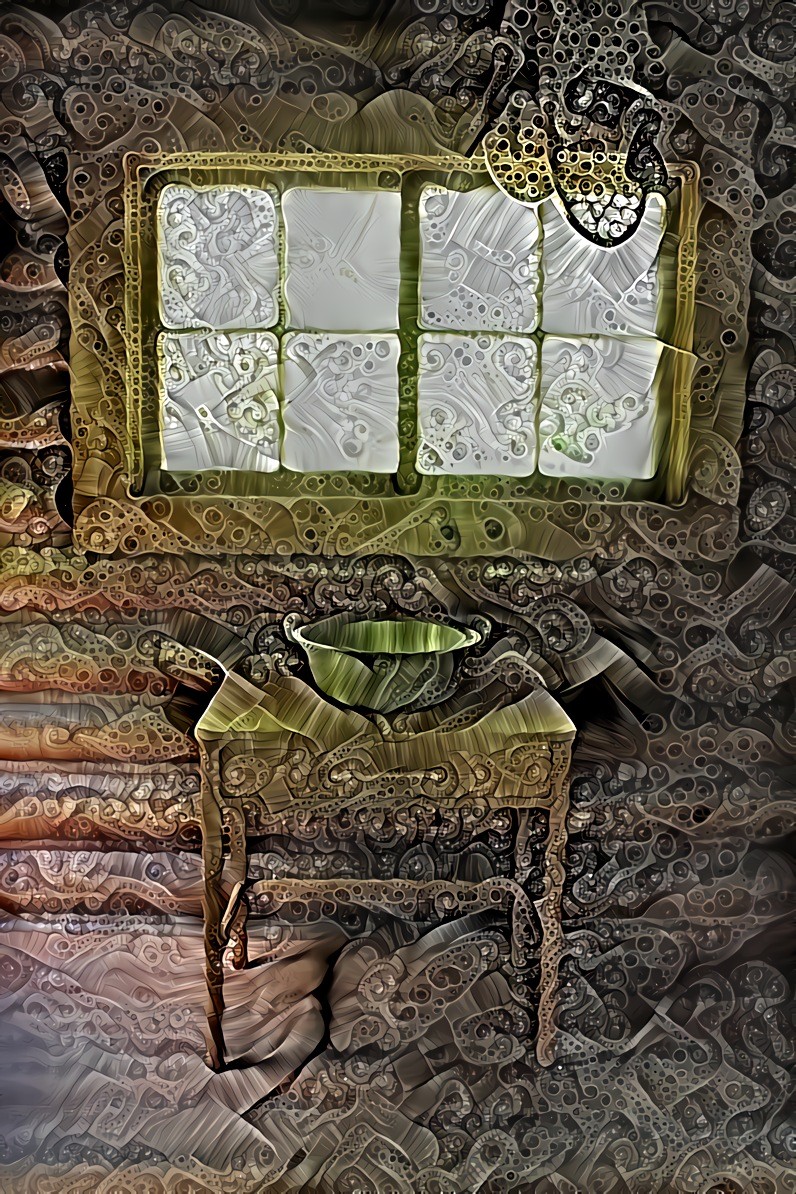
[220,408]
[217,256]
[600,414]
[480,261]
[343,259]
[476,405]
[340,403]
[587,289]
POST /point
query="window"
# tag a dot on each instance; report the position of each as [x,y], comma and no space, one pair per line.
[338,353]
[408,332]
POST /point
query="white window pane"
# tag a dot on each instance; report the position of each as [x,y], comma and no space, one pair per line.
[341,403]
[217,255]
[343,259]
[589,290]
[480,261]
[476,405]
[600,414]
[220,408]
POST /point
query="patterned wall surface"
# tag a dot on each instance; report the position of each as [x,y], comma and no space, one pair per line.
[382,929]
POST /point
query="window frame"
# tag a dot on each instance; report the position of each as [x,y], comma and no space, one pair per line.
[478,502]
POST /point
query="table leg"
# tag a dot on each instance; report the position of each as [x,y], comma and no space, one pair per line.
[550,907]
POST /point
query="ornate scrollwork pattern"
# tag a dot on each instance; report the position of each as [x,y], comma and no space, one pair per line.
[381,1036]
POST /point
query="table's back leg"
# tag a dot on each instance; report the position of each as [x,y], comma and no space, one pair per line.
[550,906]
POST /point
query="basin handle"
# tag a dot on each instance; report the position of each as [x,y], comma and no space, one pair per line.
[290,624]
[480,625]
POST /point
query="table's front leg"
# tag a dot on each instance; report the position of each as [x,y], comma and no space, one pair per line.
[224,868]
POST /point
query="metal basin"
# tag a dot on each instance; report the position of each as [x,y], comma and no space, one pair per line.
[380,664]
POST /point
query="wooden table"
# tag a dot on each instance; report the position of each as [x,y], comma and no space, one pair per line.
[284,748]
